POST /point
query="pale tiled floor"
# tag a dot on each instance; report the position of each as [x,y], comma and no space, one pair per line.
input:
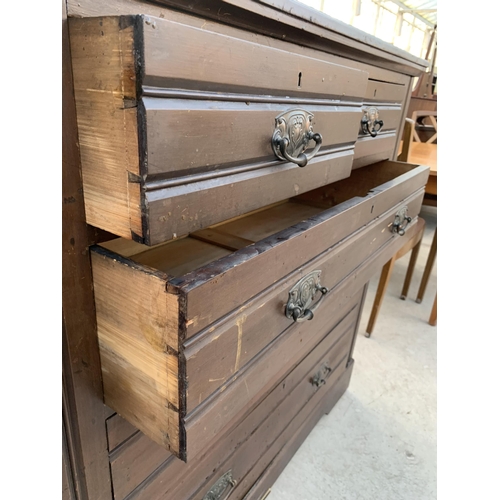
[379,441]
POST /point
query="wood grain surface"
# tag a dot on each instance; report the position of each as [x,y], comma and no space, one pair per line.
[246,331]
[240,133]
[216,62]
[137,324]
[176,479]
[364,204]
[106,102]
[84,411]
[157,313]
[248,20]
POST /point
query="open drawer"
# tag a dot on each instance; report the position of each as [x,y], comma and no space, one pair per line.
[174,140]
[192,332]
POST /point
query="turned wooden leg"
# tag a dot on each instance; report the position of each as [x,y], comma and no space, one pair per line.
[428,269]
[411,267]
[382,287]
[434,313]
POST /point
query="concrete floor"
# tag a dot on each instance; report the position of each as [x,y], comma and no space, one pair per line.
[379,441]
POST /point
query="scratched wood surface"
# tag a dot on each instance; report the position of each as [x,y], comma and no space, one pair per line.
[137,312]
[189,477]
[84,412]
[137,324]
[271,467]
[105,96]
[290,249]
[249,460]
[250,21]
[395,180]
[255,23]
[245,332]
[156,472]
[136,139]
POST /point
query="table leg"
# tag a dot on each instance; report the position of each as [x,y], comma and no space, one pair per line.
[428,269]
[382,287]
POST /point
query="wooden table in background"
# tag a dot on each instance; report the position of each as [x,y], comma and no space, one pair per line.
[422,153]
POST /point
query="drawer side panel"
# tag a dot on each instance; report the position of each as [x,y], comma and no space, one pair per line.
[105,96]
[136,323]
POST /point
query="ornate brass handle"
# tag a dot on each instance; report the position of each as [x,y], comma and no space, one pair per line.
[401,221]
[224,484]
[292,133]
[301,296]
[370,123]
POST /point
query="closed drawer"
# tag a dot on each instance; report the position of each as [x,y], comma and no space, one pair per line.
[174,140]
[381,122]
[162,476]
[191,331]
[323,368]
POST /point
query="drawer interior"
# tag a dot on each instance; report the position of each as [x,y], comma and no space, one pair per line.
[182,256]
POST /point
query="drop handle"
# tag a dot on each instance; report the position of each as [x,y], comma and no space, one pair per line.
[370,123]
[301,296]
[401,221]
[222,488]
[292,133]
[320,377]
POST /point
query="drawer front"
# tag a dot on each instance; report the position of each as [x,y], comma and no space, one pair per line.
[175,211]
[183,356]
[288,250]
[244,333]
[381,122]
[271,468]
[255,453]
[236,397]
[171,478]
[176,140]
[192,140]
[141,466]
[213,62]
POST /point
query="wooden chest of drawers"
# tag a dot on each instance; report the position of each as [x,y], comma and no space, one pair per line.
[228,294]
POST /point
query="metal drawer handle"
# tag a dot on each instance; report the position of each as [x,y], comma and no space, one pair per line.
[301,296]
[401,221]
[370,123]
[292,133]
[320,377]
[221,486]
